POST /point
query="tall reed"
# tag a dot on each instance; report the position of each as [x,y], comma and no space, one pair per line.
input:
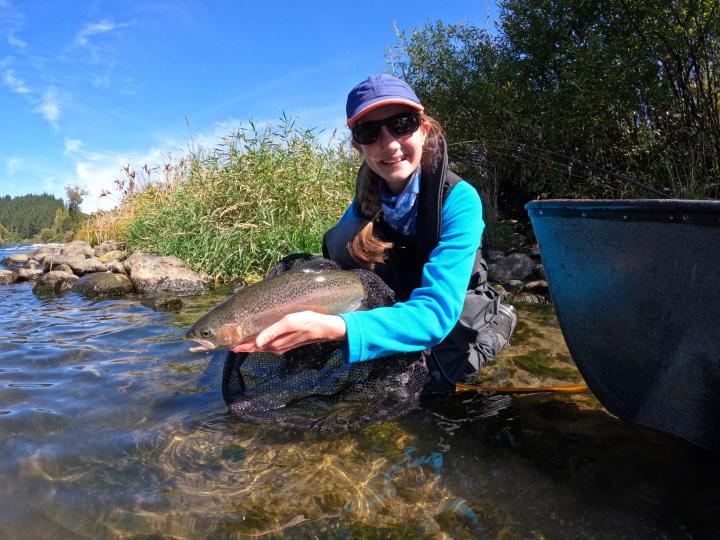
[236,209]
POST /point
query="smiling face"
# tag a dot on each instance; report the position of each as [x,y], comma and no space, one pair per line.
[392,158]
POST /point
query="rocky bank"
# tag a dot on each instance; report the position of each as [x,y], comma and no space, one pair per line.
[105,270]
[109,270]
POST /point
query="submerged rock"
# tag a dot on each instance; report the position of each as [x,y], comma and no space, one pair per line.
[104,283]
[55,282]
[163,302]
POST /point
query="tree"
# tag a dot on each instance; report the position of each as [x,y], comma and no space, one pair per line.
[26,215]
[628,85]
[75,195]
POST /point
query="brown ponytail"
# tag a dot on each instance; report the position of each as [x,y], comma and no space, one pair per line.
[366,248]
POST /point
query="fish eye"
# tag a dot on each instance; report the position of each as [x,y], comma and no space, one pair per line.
[206,333]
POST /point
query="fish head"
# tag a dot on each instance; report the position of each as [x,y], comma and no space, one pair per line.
[210,335]
[205,336]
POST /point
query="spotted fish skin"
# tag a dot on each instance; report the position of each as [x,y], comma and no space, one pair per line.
[255,307]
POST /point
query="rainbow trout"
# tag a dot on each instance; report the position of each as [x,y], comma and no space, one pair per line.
[255,307]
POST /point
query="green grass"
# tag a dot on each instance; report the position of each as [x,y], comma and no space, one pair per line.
[233,211]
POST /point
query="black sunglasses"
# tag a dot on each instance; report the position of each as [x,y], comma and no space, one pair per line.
[398,125]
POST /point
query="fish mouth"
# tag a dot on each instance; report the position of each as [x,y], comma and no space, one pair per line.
[205,345]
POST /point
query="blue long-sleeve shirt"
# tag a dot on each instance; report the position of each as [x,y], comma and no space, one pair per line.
[434,308]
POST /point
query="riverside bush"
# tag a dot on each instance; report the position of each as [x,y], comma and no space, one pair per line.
[236,209]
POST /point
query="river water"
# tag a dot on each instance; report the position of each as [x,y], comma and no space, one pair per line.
[110,428]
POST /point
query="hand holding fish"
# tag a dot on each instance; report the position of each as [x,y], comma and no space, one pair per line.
[295,330]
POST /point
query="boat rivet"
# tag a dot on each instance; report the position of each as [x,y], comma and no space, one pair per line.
[685,218]
[584,214]
[625,217]
[672,218]
[540,212]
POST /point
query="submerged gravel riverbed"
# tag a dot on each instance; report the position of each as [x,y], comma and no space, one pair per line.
[110,428]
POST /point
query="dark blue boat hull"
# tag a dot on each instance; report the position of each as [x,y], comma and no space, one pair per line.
[636,287]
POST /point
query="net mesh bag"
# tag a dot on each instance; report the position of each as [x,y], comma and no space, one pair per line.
[312,387]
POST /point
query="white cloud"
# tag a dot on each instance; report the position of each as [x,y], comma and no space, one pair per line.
[15,41]
[93,29]
[98,171]
[13,164]
[100,81]
[72,146]
[15,84]
[49,106]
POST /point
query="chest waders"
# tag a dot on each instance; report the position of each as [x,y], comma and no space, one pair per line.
[472,342]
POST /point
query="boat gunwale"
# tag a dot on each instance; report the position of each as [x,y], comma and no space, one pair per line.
[672,211]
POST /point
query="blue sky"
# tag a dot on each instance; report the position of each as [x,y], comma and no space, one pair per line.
[89,87]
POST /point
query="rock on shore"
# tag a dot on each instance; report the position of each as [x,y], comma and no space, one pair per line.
[104,270]
[108,270]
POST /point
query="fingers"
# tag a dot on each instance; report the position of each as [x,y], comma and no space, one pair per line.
[246,346]
[295,330]
[294,323]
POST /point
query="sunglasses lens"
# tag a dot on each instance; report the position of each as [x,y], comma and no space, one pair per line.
[398,125]
[366,133]
[403,124]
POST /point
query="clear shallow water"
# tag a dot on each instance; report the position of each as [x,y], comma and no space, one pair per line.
[109,428]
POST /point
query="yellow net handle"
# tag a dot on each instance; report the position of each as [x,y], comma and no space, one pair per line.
[520,390]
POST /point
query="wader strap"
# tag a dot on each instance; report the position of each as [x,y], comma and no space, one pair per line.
[336,240]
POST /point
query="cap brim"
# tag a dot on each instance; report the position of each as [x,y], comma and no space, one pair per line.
[372,106]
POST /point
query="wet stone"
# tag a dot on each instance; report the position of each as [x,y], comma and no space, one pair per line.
[116,267]
[51,261]
[502,291]
[156,275]
[78,248]
[115,255]
[55,282]
[62,267]
[15,261]
[163,303]
[494,256]
[525,297]
[45,253]
[515,266]
[7,277]
[514,285]
[108,246]
[104,283]
[28,274]
[537,287]
[88,266]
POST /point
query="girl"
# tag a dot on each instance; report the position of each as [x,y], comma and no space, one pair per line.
[418,225]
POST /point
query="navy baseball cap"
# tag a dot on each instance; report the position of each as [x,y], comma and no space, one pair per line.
[376,91]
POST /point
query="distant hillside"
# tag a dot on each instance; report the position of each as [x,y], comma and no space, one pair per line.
[23,217]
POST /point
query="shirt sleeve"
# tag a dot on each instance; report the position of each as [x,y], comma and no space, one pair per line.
[434,308]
